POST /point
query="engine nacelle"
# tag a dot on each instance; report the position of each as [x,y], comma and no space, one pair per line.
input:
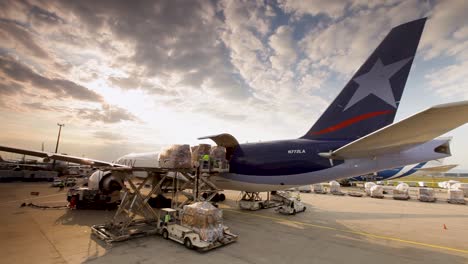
[105,182]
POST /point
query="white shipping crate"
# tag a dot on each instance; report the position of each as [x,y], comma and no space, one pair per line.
[455,196]
[400,195]
[426,195]
[318,188]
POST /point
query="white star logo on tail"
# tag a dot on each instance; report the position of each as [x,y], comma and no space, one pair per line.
[377,82]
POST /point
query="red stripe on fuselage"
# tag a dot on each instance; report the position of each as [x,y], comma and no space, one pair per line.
[351,121]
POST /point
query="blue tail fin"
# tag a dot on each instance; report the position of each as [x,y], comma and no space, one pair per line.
[370,99]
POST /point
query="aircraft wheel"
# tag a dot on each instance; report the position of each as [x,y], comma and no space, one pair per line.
[165,234]
[222,197]
[188,243]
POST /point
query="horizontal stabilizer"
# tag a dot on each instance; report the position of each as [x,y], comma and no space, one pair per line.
[410,132]
[55,156]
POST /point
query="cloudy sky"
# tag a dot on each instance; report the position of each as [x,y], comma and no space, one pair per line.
[134,75]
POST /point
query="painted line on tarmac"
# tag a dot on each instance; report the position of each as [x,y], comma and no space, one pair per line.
[32,198]
[353,232]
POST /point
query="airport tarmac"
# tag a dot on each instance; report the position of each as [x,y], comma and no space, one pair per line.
[334,229]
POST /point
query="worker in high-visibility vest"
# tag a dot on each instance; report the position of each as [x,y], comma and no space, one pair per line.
[167,218]
[206,162]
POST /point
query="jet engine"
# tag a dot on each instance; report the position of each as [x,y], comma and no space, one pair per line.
[105,182]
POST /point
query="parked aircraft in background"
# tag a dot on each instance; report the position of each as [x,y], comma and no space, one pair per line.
[432,167]
[354,136]
[30,164]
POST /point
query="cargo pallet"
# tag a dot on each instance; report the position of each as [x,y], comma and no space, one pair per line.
[456,201]
[110,233]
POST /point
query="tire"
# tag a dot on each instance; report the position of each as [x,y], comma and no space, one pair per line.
[294,212]
[304,209]
[188,243]
[222,197]
[165,234]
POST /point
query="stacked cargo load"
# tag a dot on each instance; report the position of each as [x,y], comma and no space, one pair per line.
[426,195]
[463,187]
[335,188]
[205,219]
[368,186]
[318,188]
[455,196]
[376,191]
[218,157]
[176,157]
[401,192]
[198,152]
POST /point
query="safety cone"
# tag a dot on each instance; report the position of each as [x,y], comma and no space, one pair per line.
[445,227]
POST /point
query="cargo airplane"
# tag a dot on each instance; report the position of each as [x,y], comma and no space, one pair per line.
[354,136]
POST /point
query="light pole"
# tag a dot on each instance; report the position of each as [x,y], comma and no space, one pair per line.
[58,140]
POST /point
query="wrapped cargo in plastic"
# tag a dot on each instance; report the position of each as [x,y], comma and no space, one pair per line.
[199,151]
[455,196]
[401,192]
[376,191]
[461,186]
[218,152]
[447,184]
[426,195]
[402,187]
[368,186]
[318,188]
[176,157]
[205,219]
[335,187]
[218,157]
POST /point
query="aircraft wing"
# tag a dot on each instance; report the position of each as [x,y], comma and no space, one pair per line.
[442,168]
[410,132]
[55,156]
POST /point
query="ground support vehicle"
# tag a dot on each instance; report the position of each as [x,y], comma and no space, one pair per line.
[70,182]
[253,201]
[291,207]
[57,182]
[84,198]
[194,236]
[136,218]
